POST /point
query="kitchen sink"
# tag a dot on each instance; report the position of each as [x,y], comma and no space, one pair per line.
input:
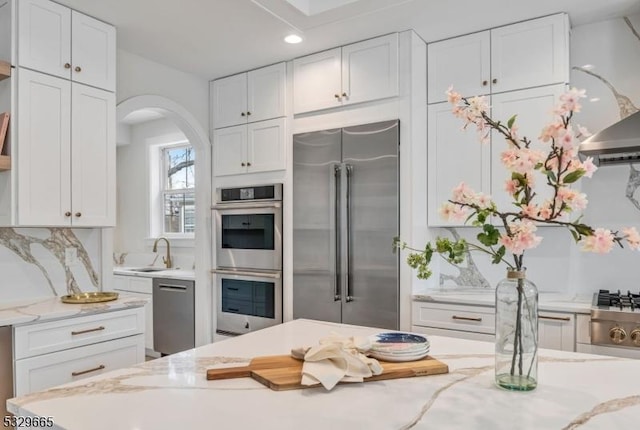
[145,269]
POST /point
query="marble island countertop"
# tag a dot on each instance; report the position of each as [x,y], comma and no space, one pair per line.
[575,391]
[552,302]
[49,308]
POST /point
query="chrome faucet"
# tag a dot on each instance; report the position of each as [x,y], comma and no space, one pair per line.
[167,259]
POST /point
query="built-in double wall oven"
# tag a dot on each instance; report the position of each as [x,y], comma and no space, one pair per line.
[248,230]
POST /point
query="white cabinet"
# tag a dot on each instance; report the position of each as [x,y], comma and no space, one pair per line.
[57,352]
[453,156]
[523,55]
[355,73]
[58,41]
[557,330]
[66,152]
[253,96]
[251,148]
[143,288]
[533,108]
[454,320]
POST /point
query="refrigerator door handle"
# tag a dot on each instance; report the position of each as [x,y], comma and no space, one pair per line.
[349,171]
[337,172]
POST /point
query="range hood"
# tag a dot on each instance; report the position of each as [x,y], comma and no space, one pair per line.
[616,144]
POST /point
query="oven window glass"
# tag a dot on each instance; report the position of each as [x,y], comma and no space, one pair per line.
[248,231]
[248,297]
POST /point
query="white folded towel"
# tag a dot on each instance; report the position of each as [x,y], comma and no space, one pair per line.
[337,358]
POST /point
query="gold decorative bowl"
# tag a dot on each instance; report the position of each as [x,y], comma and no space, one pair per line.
[98,297]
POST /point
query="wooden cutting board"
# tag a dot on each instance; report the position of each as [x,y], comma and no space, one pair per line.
[283,372]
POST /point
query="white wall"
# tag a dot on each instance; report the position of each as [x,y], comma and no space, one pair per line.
[138,76]
[133,233]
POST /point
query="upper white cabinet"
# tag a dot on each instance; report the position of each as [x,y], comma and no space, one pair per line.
[252,148]
[58,41]
[253,96]
[66,153]
[355,73]
[523,55]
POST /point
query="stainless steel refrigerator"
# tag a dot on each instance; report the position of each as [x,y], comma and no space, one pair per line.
[345,216]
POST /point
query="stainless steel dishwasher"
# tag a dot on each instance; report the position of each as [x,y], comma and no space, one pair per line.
[173,315]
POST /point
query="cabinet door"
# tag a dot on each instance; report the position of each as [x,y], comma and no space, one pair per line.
[230,150]
[266,92]
[93,51]
[229,101]
[530,54]
[533,109]
[556,331]
[370,70]
[317,82]
[93,157]
[266,146]
[44,154]
[44,37]
[453,156]
[463,62]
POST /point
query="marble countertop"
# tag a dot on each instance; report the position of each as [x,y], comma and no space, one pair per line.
[188,275]
[575,391]
[552,302]
[49,308]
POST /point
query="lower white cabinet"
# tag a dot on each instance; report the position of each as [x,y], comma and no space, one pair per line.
[143,288]
[49,370]
[55,352]
[557,330]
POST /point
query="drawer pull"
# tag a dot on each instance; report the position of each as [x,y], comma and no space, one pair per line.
[75,333]
[82,372]
[456,317]
[542,317]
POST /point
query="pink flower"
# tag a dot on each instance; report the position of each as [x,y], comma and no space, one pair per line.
[530,210]
[483,201]
[632,236]
[564,139]
[572,198]
[601,242]
[583,132]
[453,97]
[511,186]
[545,210]
[453,212]
[521,237]
[588,167]
[569,100]
[551,131]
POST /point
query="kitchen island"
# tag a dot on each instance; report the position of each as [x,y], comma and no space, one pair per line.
[575,391]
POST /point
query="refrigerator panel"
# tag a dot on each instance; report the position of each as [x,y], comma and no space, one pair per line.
[316,162]
[370,156]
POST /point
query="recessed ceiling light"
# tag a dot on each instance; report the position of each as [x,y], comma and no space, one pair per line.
[293,38]
[594,99]
[588,66]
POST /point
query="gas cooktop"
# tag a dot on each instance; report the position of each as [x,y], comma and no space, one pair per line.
[628,301]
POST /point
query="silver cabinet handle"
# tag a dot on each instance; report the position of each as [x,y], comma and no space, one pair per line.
[456,317]
[349,171]
[82,372]
[542,317]
[257,205]
[250,273]
[337,288]
[175,288]
[75,333]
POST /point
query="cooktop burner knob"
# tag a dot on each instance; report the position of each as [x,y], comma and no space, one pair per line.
[618,335]
[635,336]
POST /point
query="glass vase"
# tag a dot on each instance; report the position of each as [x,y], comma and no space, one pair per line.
[516,333]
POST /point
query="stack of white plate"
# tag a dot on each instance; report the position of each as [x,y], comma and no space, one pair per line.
[398,346]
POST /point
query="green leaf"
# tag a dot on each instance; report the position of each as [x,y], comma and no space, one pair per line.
[583,229]
[511,121]
[575,235]
[573,176]
[497,258]
[489,236]
[551,175]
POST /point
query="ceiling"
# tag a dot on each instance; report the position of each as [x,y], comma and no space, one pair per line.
[214,38]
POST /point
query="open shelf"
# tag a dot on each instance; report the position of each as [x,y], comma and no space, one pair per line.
[5,163]
[5,70]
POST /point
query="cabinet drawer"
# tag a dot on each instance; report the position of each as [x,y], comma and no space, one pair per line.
[49,370]
[133,284]
[477,319]
[36,339]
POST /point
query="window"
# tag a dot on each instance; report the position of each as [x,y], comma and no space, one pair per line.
[178,190]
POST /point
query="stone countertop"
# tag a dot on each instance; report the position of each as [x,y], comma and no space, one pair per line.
[49,308]
[575,391]
[551,302]
[188,275]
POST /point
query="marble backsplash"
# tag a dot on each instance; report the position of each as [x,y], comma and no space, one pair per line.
[43,262]
[605,58]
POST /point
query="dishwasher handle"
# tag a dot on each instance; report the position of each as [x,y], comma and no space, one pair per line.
[174,288]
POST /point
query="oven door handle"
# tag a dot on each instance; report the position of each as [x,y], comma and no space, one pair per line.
[232,206]
[252,273]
